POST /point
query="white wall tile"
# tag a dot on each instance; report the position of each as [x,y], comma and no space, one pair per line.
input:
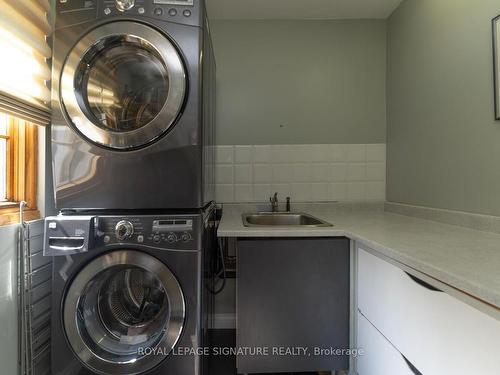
[375,191]
[356,153]
[375,152]
[282,172]
[243,193]
[224,193]
[224,154]
[283,190]
[243,154]
[375,171]
[305,172]
[282,154]
[338,191]
[261,192]
[319,153]
[339,172]
[321,172]
[262,173]
[299,153]
[356,191]
[302,173]
[338,153]
[243,173]
[262,154]
[301,192]
[224,173]
[319,191]
[356,172]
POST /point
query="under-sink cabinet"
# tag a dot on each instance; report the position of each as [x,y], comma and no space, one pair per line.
[292,295]
[436,333]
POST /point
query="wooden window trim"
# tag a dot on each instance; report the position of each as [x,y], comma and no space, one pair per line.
[22,159]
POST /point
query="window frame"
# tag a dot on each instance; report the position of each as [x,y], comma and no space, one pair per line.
[21,171]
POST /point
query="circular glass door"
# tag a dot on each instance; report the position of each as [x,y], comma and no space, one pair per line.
[119,309]
[123,85]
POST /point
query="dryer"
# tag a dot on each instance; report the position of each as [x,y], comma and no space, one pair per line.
[133,105]
[131,294]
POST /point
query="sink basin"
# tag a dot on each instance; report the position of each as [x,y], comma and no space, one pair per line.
[283,219]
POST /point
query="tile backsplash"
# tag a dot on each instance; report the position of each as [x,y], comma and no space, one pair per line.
[306,173]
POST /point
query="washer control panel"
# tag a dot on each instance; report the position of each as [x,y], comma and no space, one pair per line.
[170,232]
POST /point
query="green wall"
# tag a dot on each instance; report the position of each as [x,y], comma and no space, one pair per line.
[289,82]
[443,142]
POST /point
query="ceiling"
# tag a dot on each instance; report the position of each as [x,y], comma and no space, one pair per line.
[301,9]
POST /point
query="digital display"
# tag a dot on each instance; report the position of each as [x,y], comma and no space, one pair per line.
[172,222]
[172,225]
[165,222]
[174,2]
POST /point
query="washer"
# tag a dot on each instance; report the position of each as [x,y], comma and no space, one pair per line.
[130,294]
[133,105]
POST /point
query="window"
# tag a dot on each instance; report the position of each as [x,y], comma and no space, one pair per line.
[18,168]
[24,97]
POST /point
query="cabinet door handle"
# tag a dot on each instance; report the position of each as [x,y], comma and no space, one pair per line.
[411,367]
[423,283]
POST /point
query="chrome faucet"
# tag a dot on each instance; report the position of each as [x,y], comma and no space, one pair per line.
[274,202]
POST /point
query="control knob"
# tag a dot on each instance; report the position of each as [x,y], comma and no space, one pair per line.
[123,5]
[186,237]
[124,229]
[171,238]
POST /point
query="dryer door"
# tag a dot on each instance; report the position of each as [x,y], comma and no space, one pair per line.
[123,313]
[123,85]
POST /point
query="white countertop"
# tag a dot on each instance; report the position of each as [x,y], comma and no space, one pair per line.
[466,259]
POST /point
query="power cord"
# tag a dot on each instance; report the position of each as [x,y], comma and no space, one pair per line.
[221,245]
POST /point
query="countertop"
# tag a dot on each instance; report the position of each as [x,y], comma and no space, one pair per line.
[466,259]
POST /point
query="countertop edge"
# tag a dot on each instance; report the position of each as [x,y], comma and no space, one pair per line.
[462,285]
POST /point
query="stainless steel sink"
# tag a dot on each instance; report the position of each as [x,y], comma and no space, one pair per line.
[282,219]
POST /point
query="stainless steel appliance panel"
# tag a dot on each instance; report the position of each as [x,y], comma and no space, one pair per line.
[174,169]
[130,291]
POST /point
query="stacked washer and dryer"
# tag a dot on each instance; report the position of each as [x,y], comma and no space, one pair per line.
[132,154]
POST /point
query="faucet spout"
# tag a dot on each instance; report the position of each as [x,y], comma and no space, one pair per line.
[274,202]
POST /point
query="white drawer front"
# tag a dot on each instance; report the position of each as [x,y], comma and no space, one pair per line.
[379,357]
[439,334]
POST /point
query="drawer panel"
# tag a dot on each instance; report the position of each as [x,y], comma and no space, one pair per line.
[379,356]
[438,333]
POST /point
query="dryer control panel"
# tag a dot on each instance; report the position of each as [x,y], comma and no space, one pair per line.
[179,11]
[169,232]
[186,12]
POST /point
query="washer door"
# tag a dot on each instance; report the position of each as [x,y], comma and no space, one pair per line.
[123,85]
[123,313]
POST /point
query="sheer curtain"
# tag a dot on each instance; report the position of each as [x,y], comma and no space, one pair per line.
[24,55]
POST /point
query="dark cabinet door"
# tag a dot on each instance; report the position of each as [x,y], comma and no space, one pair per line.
[292,302]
